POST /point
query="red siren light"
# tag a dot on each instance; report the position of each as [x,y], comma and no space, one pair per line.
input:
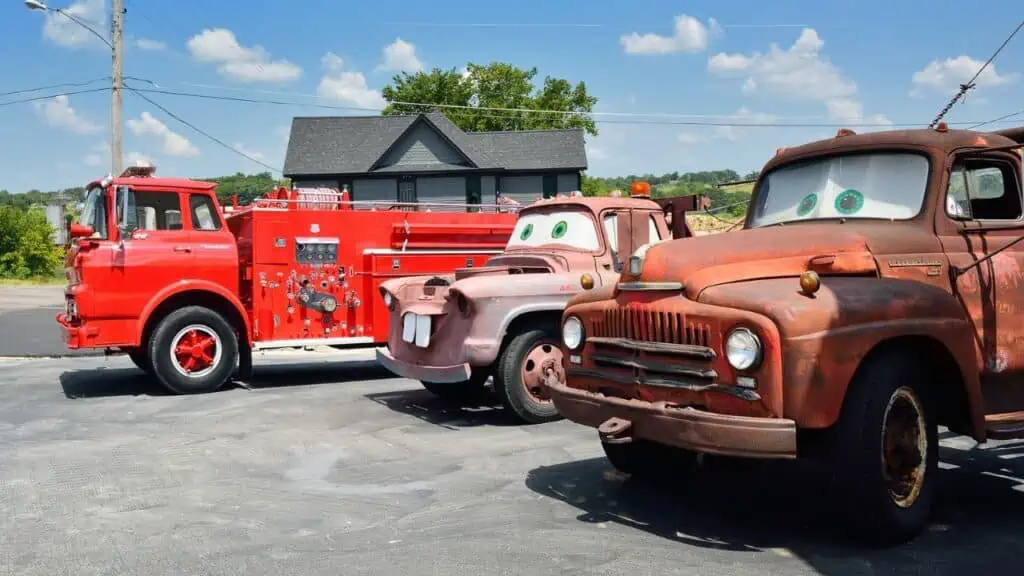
[845,132]
[942,127]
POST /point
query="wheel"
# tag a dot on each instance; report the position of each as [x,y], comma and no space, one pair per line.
[141,360]
[193,350]
[645,459]
[464,391]
[519,381]
[885,451]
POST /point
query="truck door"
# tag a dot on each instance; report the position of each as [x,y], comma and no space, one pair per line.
[983,214]
[157,253]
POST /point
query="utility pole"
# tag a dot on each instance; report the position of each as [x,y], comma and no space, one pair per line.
[116,36]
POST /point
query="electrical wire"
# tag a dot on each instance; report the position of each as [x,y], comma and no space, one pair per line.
[489,112]
[994,120]
[52,86]
[48,96]
[201,131]
[970,83]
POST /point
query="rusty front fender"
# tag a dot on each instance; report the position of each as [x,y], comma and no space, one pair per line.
[826,337]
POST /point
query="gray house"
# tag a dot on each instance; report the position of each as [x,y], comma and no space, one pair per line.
[427,158]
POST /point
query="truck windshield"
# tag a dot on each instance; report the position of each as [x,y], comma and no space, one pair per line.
[94,213]
[571,228]
[887,185]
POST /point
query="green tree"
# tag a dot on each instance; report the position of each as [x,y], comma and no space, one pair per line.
[496,85]
[26,244]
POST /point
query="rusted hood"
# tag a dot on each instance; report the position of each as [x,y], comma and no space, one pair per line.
[516,263]
[774,252]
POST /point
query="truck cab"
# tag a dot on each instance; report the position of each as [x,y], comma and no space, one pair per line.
[453,332]
[139,240]
[873,294]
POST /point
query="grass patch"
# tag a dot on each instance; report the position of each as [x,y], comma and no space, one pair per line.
[34,281]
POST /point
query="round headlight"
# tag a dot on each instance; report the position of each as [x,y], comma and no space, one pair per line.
[572,333]
[388,299]
[743,349]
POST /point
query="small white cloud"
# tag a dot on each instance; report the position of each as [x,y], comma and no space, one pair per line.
[99,155]
[596,153]
[688,138]
[690,35]
[64,31]
[135,158]
[150,45]
[174,144]
[237,62]
[742,116]
[400,56]
[250,152]
[58,113]
[947,75]
[339,84]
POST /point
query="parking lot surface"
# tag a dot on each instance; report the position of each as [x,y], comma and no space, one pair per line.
[330,467]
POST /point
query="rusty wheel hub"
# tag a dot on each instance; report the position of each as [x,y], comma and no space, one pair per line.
[543,359]
[904,447]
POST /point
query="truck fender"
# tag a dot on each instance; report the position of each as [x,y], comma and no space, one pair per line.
[193,286]
[825,339]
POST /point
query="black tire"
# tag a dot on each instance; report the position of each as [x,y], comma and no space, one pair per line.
[880,515]
[508,378]
[165,367]
[141,360]
[650,461]
[461,392]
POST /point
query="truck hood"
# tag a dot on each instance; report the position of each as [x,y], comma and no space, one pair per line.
[774,252]
[519,263]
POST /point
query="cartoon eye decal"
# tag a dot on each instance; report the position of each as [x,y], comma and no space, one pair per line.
[807,204]
[560,229]
[527,230]
[849,201]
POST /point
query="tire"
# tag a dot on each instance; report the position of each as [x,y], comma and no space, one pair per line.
[141,360]
[648,460]
[210,371]
[884,390]
[518,369]
[462,392]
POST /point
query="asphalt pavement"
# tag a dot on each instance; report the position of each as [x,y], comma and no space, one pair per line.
[336,467]
[27,324]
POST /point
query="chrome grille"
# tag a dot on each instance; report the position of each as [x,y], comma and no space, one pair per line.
[650,325]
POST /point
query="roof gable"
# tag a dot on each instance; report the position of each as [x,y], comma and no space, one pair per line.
[423,146]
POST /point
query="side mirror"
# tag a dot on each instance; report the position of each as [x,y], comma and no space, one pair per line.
[80,231]
[127,217]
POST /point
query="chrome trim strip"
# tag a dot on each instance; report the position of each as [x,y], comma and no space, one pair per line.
[690,350]
[647,286]
[742,393]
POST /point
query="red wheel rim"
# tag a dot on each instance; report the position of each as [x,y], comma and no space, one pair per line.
[196,351]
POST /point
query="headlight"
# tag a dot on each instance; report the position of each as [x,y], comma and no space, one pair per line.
[388,300]
[572,333]
[743,349]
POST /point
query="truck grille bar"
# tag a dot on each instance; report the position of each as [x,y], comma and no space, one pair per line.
[648,325]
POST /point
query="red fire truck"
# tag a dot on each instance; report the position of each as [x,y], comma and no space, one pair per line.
[188,290]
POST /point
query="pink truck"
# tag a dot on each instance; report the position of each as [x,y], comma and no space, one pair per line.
[454,332]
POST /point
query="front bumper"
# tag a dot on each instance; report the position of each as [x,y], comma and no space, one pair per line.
[72,335]
[439,374]
[682,427]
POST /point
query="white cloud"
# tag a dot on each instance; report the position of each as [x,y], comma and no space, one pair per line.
[349,86]
[595,152]
[797,73]
[688,138]
[742,116]
[64,31]
[400,56]
[690,35]
[250,152]
[947,75]
[134,158]
[99,155]
[174,144]
[238,62]
[58,113]
[150,45]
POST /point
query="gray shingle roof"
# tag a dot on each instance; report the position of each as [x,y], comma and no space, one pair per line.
[329,145]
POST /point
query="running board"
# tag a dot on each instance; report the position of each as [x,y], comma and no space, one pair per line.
[1005,426]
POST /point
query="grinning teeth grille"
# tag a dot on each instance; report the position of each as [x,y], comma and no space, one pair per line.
[652,326]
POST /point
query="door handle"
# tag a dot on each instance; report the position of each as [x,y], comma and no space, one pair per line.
[182,249]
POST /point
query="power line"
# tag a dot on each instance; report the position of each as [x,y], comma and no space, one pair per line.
[994,120]
[201,131]
[970,83]
[52,86]
[48,96]
[491,25]
[477,111]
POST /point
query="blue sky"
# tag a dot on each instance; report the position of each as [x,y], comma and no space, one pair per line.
[836,62]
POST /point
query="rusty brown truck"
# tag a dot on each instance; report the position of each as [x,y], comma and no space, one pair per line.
[874,293]
[454,332]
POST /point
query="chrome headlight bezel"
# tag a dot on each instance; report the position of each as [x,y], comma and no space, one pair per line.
[743,349]
[573,333]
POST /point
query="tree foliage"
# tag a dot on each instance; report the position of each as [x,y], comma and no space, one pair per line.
[486,87]
[26,245]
